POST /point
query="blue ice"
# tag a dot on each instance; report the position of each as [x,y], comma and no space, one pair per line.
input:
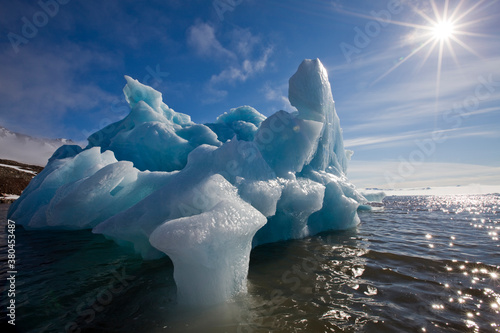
[203,194]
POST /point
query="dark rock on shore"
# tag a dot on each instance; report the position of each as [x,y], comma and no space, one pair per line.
[14,177]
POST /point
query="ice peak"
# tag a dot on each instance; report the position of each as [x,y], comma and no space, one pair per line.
[309,90]
[135,92]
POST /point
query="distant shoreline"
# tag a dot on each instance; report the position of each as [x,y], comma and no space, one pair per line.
[14,177]
[471,189]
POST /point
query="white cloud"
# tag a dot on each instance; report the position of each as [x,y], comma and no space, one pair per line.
[277,94]
[244,42]
[390,140]
[231,75]
[242,71]
[398,140]
[412,102]
[243,58]
[201,37]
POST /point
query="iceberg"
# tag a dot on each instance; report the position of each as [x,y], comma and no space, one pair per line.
[374,196]
[203,194]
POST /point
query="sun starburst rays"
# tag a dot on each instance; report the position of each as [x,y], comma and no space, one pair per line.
[402,61]
[443,29]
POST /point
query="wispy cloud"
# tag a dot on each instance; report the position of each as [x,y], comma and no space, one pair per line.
[242,71]
[244,57]
[412,102]
[278,94]
[387,141]
[201,37]
[409,138]
[244,42]
[235,73]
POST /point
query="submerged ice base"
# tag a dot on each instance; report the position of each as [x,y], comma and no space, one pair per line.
[203,194]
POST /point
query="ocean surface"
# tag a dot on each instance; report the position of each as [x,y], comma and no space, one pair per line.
[417,264]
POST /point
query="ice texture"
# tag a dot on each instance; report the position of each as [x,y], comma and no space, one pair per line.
[94,184]
[152,136]
[242,122]
[203,194]
[288,143]
[211,250]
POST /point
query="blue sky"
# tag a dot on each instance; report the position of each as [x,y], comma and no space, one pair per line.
[415,115]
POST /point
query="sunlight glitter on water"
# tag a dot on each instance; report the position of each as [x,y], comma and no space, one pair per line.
[479,276]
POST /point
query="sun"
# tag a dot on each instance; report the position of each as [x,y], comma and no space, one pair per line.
[440,33]
[443,30]
[442,25]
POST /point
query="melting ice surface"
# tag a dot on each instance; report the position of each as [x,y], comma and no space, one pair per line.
[203,194]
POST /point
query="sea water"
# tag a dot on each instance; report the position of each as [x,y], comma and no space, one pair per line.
[416,264]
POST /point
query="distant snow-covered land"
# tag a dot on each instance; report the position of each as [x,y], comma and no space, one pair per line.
[438,190]
[26,149]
